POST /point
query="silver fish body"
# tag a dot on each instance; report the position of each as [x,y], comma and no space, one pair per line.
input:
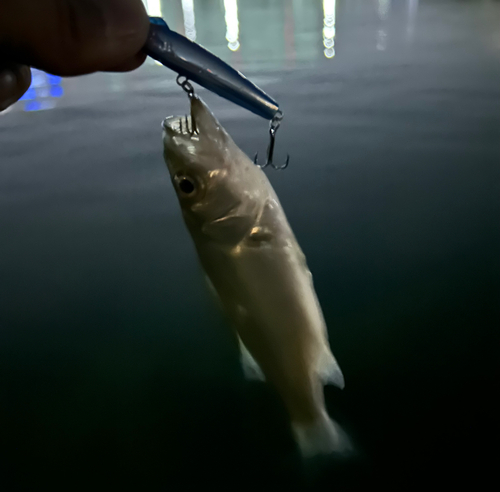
[255,265]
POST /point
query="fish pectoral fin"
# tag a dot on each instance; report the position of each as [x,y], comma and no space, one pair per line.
[213,292]
[259,235]
[251,368]
[228,229]
[328,369]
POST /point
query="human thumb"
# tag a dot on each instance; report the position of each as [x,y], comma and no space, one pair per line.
[73,37]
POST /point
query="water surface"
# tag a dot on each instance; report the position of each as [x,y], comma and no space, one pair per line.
[116,368]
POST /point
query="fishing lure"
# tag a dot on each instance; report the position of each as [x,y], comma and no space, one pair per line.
[194,63]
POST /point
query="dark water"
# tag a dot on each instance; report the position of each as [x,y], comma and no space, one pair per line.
[116,369]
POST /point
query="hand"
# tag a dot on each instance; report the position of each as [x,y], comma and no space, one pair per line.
[67,37]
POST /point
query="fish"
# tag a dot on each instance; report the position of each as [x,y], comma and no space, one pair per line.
[258,271]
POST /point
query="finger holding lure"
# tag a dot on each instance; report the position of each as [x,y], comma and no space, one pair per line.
[194,63]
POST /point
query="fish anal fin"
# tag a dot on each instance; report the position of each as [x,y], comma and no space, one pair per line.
[251,368]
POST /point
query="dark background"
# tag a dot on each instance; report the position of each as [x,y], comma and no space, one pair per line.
[116,371]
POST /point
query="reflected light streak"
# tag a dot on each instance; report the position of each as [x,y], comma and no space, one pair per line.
[189,23]
[412,14]
[289,33]
[153,7]
[383,13]
[383,8]
[43,90]
[232,24]
[329,28]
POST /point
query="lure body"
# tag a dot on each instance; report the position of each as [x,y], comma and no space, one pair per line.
[197,64]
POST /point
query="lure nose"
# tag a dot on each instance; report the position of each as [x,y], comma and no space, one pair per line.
[199,65]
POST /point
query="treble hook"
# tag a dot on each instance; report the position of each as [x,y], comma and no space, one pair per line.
[273,128]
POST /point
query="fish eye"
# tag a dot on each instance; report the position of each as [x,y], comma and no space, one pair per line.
[185,184]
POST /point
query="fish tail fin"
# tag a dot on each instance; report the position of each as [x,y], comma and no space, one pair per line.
[323,436]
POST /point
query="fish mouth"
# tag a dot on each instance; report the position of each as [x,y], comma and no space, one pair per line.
[199,122]
[184,126]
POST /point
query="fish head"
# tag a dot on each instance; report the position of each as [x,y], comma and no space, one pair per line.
[213,179]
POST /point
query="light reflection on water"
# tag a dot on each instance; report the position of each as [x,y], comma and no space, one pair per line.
[412,14]
[231,17]
[248,35]
[383,9]
[329,28]
[44,91]
[153,7]
[189,20]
